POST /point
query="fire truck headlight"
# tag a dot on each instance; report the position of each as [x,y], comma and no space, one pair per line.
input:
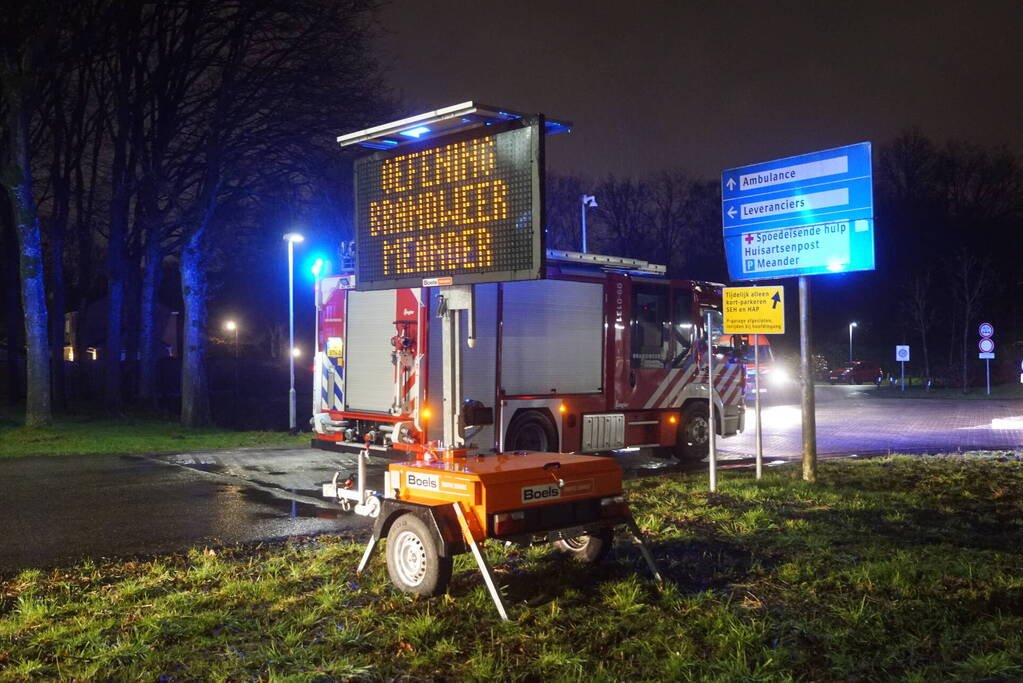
[780,376]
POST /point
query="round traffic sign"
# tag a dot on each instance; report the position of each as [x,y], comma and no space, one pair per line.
[986,330]
[986,345]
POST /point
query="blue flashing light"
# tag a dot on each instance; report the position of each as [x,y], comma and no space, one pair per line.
[317,267]
[415,132]
[379,144]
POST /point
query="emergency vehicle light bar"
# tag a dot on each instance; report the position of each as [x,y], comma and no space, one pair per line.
[436,123]
[606,262]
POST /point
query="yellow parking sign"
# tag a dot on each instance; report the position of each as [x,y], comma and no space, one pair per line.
[754,310]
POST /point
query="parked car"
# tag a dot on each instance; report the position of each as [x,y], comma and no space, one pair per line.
[857,372]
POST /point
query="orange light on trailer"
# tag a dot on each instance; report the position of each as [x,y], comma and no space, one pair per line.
[562,409]
[672,419]
[424,413]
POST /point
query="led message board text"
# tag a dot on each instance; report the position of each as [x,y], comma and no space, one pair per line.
[462,209]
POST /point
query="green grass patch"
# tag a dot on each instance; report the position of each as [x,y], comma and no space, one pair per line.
[87,433]
[889,569]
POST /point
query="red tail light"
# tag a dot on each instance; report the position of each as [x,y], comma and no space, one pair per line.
[509,523]
[613,506]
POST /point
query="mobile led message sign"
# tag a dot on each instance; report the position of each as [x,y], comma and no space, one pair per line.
[459,209]
[803,215]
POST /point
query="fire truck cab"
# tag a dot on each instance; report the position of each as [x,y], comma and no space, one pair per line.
[603,354]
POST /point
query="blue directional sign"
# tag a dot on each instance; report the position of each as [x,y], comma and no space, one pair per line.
[803,215]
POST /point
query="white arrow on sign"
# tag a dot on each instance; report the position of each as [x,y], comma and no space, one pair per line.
[731,183]
[731,212]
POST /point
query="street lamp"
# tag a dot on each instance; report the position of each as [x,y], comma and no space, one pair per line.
[851,326]
[587,200]
[232,326]
[291,238]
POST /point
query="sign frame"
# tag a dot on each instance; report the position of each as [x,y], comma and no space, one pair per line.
[538,268]
[898,350]
[794,205]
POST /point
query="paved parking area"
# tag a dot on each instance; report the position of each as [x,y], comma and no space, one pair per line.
[852,420]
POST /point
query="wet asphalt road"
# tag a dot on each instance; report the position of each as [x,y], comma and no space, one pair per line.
[56,510]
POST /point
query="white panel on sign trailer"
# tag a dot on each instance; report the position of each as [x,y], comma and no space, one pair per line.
[368,368]
[478,363]
[553,337]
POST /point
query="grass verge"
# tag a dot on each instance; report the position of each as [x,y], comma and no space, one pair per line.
[92,434]
[898,568]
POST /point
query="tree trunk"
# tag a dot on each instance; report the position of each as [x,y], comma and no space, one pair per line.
[18,179]
[149,334]
[58,230]
[12,303]
[195,396]
[114,342]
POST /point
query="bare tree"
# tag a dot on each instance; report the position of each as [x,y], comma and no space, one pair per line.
[919,302]
[27,30]
[971,278]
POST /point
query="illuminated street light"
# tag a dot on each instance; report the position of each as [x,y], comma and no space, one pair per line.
[851,326]
[296,352]
[292,238]
[232,326]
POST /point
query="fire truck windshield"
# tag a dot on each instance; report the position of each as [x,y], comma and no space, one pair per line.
[717,326]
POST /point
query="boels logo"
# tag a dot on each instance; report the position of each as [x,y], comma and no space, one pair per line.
[534,494]
[423,482]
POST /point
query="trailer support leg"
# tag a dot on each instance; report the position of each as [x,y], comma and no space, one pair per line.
[369,551]
[488,574]
[637,536]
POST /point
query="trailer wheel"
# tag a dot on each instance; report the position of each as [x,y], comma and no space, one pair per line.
[531,430]
[413,561]
[588,547]
[693,441]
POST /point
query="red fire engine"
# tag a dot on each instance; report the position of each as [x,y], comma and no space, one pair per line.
[604,354]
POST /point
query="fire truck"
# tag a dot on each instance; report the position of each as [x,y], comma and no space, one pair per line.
[603,354]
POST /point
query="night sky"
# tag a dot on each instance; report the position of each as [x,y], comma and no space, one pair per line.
[710,85]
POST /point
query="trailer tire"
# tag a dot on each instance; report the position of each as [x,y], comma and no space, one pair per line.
[587,548]
[414,562]
[693,441]
[532,430]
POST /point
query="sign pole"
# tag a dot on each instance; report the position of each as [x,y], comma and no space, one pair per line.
[710,408]
[756,386]
[987,363]
[902,365]
[806,384]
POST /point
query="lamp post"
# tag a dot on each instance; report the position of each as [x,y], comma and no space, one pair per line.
[232,326]
[851,326]
[291,238]
[587,200]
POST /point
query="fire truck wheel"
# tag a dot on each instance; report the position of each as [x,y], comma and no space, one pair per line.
[531,431]
[413,561]
[694,434]
[588,547]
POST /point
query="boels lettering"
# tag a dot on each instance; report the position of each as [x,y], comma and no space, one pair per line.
[428,482]
[532,494]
